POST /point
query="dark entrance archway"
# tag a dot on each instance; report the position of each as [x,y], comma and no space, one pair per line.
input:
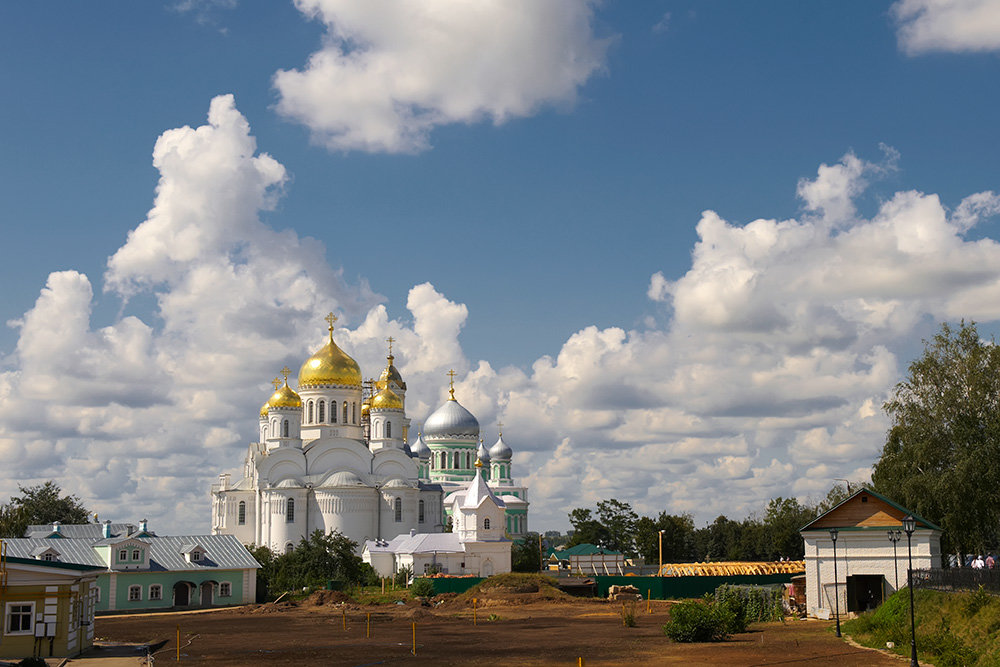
[182,594]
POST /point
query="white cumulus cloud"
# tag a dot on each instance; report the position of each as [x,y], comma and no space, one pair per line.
[390,71]
[947,25]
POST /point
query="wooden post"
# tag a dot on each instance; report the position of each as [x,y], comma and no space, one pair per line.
[368,626]
[649,594]
[343,611]
[414,651]
[178,642]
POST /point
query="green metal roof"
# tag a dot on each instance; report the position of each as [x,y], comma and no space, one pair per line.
[585,550]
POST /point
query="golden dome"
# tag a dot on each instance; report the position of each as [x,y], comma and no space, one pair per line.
[284,398]
[263,410]
[387,399]
[330,365]
[390,374]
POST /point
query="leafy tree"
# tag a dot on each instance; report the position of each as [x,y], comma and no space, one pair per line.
[782,521]
[586,529]
[678,538]
[524,556]
[316,560]
[618,519]
[40,504]
[942,455]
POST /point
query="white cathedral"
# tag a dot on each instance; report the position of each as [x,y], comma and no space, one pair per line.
[333,455]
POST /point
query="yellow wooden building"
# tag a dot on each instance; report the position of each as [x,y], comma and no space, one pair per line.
[47,606]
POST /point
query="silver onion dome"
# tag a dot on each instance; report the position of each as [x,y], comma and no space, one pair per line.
[419,448]
[482,453]
[451,420]
[500,451]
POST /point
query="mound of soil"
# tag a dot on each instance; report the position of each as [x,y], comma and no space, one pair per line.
[320,598]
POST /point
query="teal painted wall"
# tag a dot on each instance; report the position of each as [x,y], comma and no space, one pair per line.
[167,581]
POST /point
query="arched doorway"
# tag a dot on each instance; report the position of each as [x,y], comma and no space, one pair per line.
[182,594]
[487,569]
[207,588]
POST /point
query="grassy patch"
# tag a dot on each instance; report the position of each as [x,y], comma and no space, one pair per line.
[952,628]
[515,583]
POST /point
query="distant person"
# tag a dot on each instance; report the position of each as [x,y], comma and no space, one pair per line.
[991,561]
[979,563]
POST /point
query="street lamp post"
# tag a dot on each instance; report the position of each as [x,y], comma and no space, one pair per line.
[836,592]
[895,536]
[659,572]
[909,525]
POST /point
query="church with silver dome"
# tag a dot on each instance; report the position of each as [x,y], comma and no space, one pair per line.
[334,454]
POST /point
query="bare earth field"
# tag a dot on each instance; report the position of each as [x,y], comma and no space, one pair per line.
[524,631]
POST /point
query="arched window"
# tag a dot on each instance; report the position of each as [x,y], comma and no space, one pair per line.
[468,459]
[420,511]
[345,412]
[388,429]
[289,548]
[241,513]
[486,523]
[284,429]
[310,412]
[397,506]
[322,412]
[458,460]
[354,413]
[333,412]
[290,511]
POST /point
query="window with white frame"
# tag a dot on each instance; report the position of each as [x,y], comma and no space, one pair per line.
[420,509]
[155,592]
[134,593]
[225,589]
[398,507]
[195,555]
[241,513]
[122,555]
[19,618]
[135,554]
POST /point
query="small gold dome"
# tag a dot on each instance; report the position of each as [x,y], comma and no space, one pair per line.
[387,399]
[365,409]
[263,410]
[390,374]
[330,365]
[284,398]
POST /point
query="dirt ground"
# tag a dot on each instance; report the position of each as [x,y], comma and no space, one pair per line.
[508,632]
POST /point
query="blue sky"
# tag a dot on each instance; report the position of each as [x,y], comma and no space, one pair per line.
[545,194]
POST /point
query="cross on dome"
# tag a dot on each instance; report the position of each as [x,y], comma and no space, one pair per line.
[276,382]
[331,318]
[390,340]
[451,384]
[285,372]
[500,428]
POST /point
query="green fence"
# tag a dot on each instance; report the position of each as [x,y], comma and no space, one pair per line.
[454,584]
[667,588]
[659,588]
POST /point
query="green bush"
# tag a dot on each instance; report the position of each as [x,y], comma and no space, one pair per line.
[422,588]
[750,604]
[402,576]
[693,621]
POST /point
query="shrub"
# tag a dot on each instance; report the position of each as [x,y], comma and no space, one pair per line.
[750,604]
[422,588]
[693,621]
[628,614]
[402,576]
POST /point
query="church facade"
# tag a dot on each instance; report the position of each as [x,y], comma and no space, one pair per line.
[333,454]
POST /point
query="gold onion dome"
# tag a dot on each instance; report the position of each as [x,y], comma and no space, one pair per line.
[330,365]
[390,374]
[263,410]
[387,399]
[285,397]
